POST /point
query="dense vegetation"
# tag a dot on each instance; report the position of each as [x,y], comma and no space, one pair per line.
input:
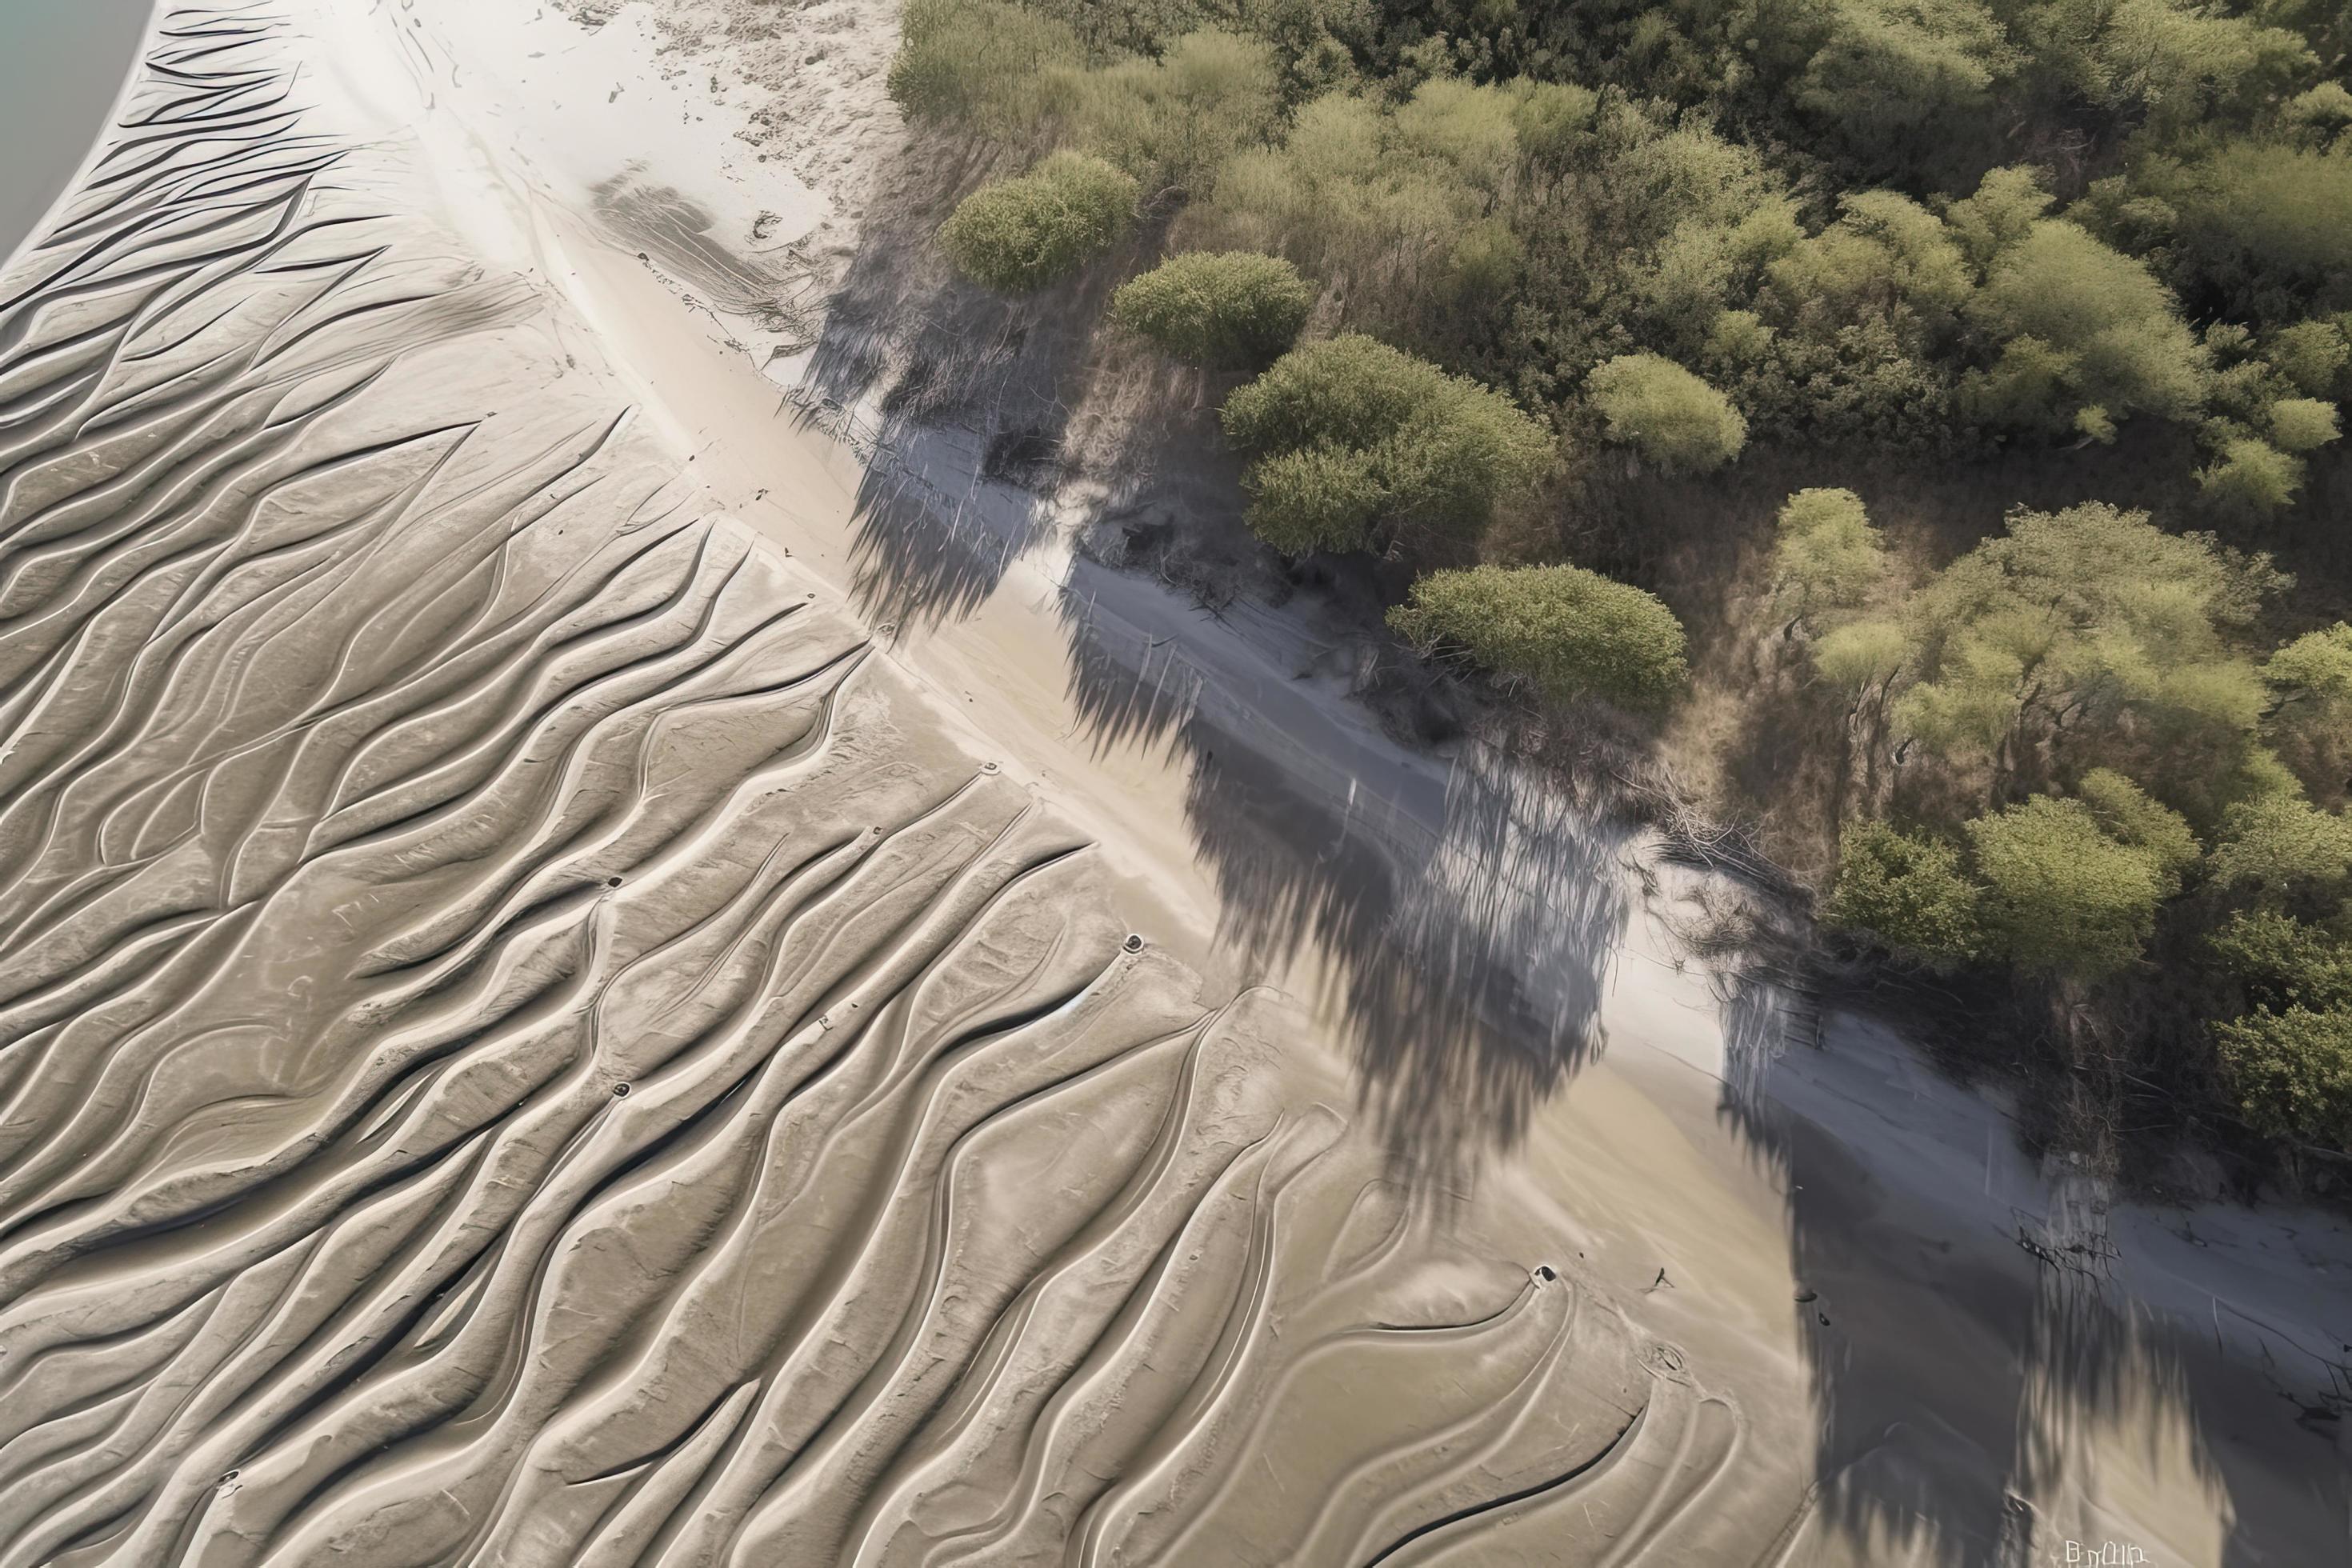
[1554,253]
[1568,632]
[1019,235]
[1225,309]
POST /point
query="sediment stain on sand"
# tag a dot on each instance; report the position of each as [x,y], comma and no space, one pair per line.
[527,1039]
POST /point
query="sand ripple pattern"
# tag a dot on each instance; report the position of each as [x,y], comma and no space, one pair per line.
[524,1040]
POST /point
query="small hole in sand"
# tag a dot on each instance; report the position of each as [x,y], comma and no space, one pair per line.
[611,881]
[620,1091]
[1134,944]
[1544,1273]
[227,1477]
[988,767]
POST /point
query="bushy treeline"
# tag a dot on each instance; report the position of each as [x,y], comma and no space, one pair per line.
[1471,248]
[2103,755]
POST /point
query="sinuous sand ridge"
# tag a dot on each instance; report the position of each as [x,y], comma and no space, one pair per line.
[527,1038]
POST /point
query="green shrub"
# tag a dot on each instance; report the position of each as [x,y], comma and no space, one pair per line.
[2310,355]
[2303,424]
[2253,480]
[1175,122]
[1023,234]
[1669,415]
[2283,963]
[2086,626]
[2061,895]
[2265,226]
[1909,893]
[1861,654]
[2128,815]
[1827,557]
[2086,327]
[1229,310]
[980,63]
[2278,842]
[1570,632]
[1353,443]
[2292,1072]
[2316,664]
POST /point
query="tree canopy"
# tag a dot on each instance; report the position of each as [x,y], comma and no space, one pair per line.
[1568,632]
[1667,413]
[1022,234]
[1356,444]
[1227,310]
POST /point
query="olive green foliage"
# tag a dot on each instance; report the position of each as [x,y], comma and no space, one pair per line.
[2126,814]
[2278,844]
[1227,310]
[2310,356]
[2293,1073]
[2316,664]
[1896,68]
[1568,632]
[2090,628]
[2251,479]
[2303,424]
[2289,1056]
[2061,893]
[2283,961]
[2067,886]
[1807,232]
[1172,122]
[2169,60]
[1354,443]
[1669,415]
[1312,36]
[2310,718]
[1022,234]
[2083,326]
[1826,555]
[1397,200]
[1862,653]
[981,64]
[1909,892]
[2262,229]
[2006,206]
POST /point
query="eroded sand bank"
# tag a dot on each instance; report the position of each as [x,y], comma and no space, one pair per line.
[416,736]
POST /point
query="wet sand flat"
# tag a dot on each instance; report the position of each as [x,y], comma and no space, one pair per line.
[529,1039]
[543,1020]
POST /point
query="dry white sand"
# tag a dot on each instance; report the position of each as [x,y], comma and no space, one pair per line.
[417,733]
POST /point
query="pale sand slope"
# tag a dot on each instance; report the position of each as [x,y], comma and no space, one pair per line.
[1997,1360]
[526,1039]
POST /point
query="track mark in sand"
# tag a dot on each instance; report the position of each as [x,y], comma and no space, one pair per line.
[523,1041]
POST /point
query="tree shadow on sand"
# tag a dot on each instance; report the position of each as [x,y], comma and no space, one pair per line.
[1461,942]
[1957,1377]
[958,398]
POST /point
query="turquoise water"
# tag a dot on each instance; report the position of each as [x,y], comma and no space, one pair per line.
[61,64]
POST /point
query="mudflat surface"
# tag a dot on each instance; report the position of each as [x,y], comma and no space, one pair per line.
[528,1040]
[570,992]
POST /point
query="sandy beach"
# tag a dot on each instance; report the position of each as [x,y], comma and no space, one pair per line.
[608,962]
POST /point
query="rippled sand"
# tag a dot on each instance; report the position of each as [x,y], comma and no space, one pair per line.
[526,1039]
